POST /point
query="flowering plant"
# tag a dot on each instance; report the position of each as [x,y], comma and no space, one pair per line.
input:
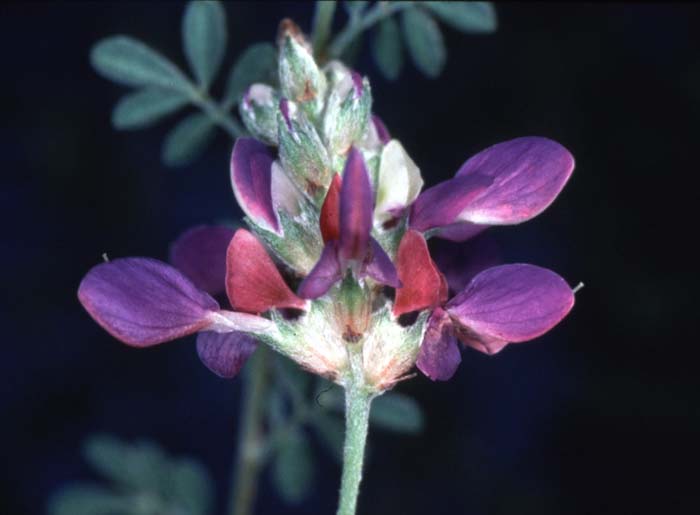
[334,270]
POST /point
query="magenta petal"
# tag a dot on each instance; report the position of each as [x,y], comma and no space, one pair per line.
[442,204]
[225,353]
[382,131]
[251,177]
[528,174]
[460,231]
[323,275]
[355,208]
[439,355]
[200,254]
[142,301]
[507,304]
[379,267]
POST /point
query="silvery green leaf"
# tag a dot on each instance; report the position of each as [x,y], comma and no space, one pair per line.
[424,41]
[204,38]
[187,140]
[355,7]
[471,17]
[331,431]
[87,499]
[189,487]
[130,62]
[387,49]
[257,63]
[145,107]
[293,468]
[396,412]
[137,466]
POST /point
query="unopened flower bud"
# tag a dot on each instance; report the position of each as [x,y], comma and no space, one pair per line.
[302,151]
[348,111]
[300,78]
[258,111]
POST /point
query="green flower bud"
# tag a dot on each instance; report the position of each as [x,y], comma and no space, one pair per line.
[258,110]
[302,152]
[300,78]
[348,110]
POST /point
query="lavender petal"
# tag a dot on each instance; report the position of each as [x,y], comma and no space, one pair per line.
[251,177]
[142,301]
[379,267]
[509,304]
[439,354]
[200,254]
[225,353]
[355,208]
[324,274]
[528,174]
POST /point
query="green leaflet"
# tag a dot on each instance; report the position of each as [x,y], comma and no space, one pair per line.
[257,63]
[145,107]
[204,38]
[424,41]
[130,62]
[88,499]
[187,140]
[188,487]
[386,49]
[136,466]
[470,17]
[355,7]
[397,412]
[293,468]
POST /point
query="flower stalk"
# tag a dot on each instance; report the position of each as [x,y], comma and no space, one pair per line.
[358,399]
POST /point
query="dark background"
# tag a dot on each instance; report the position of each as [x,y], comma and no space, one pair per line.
[599,416]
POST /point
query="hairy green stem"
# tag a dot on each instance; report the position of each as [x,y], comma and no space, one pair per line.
[359,24]
[358,398]
[250,457]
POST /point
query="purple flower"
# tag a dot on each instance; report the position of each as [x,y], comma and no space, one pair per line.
[144,302]
[346,223]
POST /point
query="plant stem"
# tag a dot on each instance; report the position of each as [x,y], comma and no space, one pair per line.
[218,114]
[359,24]
[323,19]
[249,459]
[357,406]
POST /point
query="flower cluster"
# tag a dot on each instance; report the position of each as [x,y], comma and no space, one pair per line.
[335,271]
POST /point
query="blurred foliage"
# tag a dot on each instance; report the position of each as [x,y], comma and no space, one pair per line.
[140,479]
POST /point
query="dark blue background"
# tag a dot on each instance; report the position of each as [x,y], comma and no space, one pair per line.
[599,416]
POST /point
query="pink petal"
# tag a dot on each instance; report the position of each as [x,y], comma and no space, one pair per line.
[251,164]
[225,353]
[142,301]
[330,212]
[200,253]
[528,174]
[355,208]
[418,273]
[508,304]
[253,283]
